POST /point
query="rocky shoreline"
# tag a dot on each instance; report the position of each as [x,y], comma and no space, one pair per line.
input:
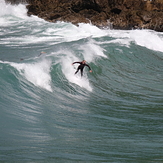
[116,14]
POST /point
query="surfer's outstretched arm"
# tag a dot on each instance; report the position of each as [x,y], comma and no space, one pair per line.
[76,62]
[89,68]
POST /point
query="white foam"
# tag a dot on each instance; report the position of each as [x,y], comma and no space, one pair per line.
[148,39]
[12,14]
[91,30]
[92,50]
[68,32]
[16,10]
[37,73]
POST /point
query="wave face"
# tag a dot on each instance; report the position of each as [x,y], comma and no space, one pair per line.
[48,114]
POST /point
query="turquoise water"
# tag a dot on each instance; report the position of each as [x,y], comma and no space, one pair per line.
[48,114]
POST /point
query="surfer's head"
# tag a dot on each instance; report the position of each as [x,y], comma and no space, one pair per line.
[84,61]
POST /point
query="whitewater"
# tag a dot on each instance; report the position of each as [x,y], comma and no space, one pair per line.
[48,114]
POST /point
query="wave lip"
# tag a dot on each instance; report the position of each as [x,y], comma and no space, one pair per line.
[37,73]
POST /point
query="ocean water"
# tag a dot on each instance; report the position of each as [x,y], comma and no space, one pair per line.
[48,114]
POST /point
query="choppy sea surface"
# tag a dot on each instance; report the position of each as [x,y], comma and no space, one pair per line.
[48,114]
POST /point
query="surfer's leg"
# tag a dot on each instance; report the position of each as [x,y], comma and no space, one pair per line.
[77,70]
[81,70]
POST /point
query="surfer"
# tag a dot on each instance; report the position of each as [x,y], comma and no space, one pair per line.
[81,67]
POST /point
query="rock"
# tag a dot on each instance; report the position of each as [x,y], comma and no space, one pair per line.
[118,14]
[15,1]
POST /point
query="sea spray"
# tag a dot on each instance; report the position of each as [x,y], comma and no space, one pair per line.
[16,10]
[91,50]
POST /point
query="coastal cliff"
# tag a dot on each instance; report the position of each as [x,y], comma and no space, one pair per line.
[116,14]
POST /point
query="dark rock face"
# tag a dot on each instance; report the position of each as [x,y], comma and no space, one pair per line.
[137,14]
[119,14]
[15,1]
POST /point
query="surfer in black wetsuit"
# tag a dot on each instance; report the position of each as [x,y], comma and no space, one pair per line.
[81,67]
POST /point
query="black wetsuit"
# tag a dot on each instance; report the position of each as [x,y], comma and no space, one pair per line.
[81,67]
